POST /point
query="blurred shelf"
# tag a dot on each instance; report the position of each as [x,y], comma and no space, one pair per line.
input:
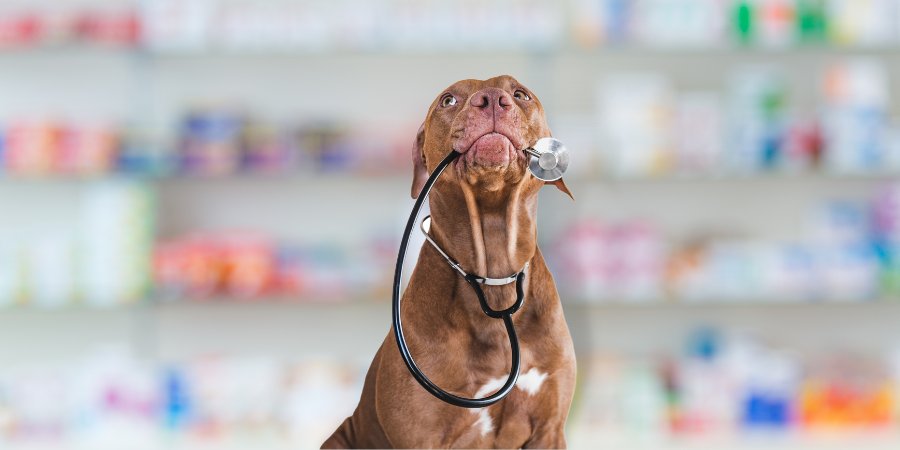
[163,441]
[304,55]
[296,177]
[276,302]
[731,49]
[200,178]
[52,50]
[536,50]
[70,308]
[577,439]
[791,440]
[760,177]
[291,302]
[587,55]
[884,302]
[367,302]
[312,177]
[68,180]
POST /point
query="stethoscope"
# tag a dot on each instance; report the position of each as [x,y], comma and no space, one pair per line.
[549,160]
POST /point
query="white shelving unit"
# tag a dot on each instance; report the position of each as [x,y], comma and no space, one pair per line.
[155,89]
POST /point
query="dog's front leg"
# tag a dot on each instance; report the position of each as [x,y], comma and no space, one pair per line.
[549,436]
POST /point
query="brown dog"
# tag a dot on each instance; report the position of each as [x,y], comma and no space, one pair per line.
[484,216]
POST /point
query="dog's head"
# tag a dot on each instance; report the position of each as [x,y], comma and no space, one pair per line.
[490,122]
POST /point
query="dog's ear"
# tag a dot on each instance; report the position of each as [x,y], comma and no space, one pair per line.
[420,172]
[561,185]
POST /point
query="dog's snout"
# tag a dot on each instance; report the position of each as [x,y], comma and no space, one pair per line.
[490,98]
[480,100]
[493,119]
[504,100]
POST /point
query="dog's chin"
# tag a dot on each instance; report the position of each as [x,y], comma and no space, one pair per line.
[493,151]
[491,162]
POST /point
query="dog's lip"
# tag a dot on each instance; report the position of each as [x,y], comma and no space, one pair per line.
[469,158]
[514,142]
[490,133]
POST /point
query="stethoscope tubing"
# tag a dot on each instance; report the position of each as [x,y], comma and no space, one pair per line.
[505,315]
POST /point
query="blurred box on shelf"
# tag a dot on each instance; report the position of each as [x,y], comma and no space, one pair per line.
[253,266]
[600,22]
[100,257]
[648,129]
[856,121]
[208,142]
[620,398]
[757,120]
[381,150]
[779,23]
[112,27]
[50,263]
[284,26]
[268,149]
[863,22]
[698,129]
[732,384]
[41,148]
[116,25]
[580,133]
[776,21]
[12,274]
[848,391]
[222,142]
[143,153]
[19,29]
[31,148]
[88,150]
[773,24]
[678,23]
[240,265]
[849,252]
[619,261]
[635,118]
[886,229]
[118,226]
[110,397]
[171,25]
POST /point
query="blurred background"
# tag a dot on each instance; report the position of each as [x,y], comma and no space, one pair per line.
[202,201]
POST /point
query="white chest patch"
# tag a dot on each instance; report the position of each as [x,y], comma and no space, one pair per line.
[490,387]
[484,421]
[530,382]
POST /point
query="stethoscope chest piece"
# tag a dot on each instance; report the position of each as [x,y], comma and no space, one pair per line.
[549,159]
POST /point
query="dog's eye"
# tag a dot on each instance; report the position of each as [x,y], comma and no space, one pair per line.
[448,100]
[521,95]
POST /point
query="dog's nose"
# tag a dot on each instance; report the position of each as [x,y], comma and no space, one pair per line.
[491,97]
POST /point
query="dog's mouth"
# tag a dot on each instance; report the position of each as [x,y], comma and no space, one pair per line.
[492,151]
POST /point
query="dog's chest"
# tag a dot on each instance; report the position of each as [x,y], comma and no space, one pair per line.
[507,423]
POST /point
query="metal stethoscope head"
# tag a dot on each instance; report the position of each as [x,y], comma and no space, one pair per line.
[549,159]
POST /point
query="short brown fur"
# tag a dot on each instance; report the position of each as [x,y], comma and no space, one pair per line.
[484,216]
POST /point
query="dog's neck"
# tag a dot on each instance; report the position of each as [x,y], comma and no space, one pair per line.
[498,234]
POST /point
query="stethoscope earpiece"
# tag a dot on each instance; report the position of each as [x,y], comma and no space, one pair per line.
[549,159]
